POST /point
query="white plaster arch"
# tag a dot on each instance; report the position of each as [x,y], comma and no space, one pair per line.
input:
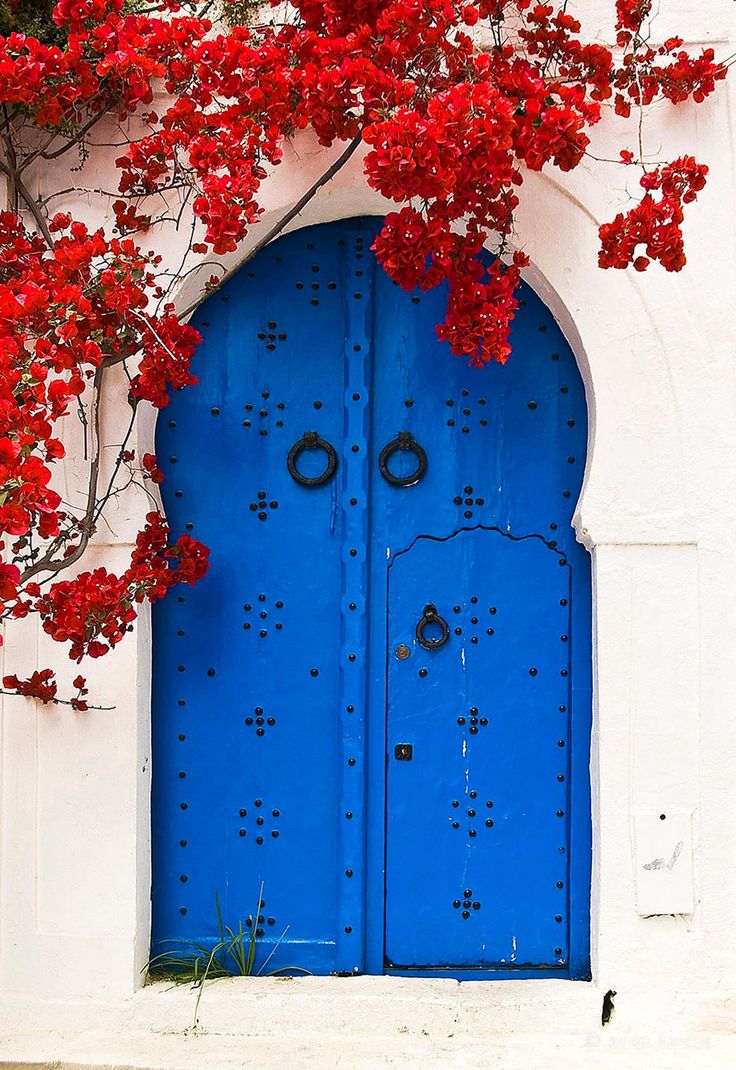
[633,468]
[633,489]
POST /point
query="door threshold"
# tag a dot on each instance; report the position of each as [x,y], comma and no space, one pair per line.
[479,974]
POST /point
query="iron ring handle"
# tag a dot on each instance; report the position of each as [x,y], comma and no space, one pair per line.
[403,441]
[311,441]
[431,616]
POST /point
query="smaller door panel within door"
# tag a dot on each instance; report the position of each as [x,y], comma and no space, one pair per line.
[477,842]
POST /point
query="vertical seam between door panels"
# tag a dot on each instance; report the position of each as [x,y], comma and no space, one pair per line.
[351,818]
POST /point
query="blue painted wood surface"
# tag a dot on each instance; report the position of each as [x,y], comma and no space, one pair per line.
[279,698]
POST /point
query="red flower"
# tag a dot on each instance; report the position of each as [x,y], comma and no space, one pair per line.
[40,685]
[450,131]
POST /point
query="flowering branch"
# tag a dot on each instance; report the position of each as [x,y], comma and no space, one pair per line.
[277,228]
[450,131]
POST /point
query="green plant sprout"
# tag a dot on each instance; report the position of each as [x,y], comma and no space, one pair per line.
[232,955]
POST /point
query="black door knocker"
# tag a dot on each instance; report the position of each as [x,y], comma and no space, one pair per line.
[311,441]
[431,616]
[404,441]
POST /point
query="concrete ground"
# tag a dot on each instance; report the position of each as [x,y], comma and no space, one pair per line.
[360,1023]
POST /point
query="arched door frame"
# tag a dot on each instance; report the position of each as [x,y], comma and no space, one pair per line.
[564,275]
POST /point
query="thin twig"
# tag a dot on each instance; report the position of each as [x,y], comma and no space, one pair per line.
[47,563]
[24,193]
[53,701]
[278,227]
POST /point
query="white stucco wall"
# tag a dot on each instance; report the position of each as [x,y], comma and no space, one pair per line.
[658,512]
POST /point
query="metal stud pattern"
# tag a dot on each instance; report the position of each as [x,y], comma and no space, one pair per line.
[263,616]
[407,809]
[467,904]
[262,824]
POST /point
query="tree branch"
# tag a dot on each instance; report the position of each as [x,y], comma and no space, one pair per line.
[303,201]
[47,562]
[22,191]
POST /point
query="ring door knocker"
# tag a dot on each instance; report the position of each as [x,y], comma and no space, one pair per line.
[404,441]
[431,616]
[311,441]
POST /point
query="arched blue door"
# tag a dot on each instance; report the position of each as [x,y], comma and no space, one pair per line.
[377,702]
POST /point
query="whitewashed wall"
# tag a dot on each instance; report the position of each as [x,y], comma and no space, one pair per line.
[658,513]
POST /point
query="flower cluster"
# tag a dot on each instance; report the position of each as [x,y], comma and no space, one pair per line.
[42,686]
[453,100]
[93,611]
[655,223]
[69,313]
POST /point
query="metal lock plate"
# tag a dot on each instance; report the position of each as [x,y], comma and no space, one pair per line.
[403,652]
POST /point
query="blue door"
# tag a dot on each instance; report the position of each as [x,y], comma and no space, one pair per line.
[377,703]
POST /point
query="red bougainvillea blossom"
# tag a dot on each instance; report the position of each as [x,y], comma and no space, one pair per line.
[656,222]
[452,102]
